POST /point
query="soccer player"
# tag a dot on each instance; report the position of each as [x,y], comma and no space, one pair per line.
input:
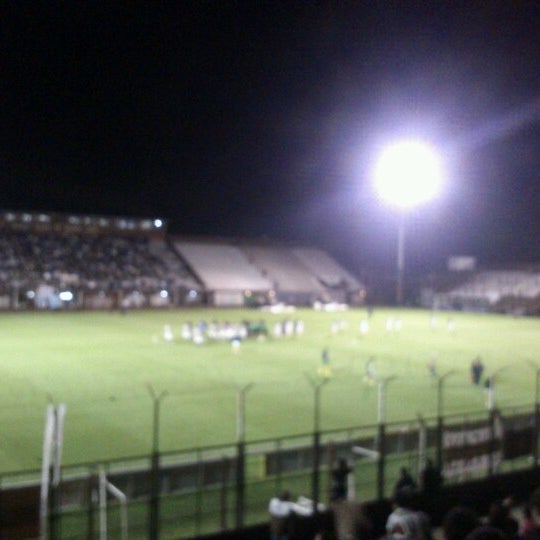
[370,374]
[364,326]
[167,333]
[432,366]
[325,370]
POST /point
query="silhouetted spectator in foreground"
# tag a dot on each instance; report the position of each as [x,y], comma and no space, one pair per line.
[430,483]
[405,521]
[486,532]
[281,510]
[499,517]
[527,525]
[534,505]
[431,478]
[339,480]
[405,482]
[280,513]
[351,520]
[458,522]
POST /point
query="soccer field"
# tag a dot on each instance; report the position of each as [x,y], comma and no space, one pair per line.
[100,365]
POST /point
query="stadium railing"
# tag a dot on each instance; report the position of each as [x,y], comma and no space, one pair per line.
[197,492]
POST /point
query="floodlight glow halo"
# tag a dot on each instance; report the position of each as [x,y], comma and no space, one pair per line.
[408,173]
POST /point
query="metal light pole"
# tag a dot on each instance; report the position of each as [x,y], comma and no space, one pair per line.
[407,174]
[400,259]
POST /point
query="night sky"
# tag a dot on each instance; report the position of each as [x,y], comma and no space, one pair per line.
[263,119]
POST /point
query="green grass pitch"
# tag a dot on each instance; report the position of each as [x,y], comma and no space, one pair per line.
[100,365]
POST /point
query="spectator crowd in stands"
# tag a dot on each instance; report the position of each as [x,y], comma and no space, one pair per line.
[87,262]
[414,513]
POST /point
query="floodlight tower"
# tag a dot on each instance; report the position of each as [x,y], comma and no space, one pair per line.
[407,174]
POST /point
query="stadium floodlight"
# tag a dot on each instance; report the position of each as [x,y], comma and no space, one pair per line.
[407,174]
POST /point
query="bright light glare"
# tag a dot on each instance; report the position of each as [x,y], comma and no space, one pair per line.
[408,173]
[66,296]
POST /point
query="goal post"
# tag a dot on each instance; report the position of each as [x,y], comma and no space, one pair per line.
[107,487]
[53,442]
[48,437]
[359,452]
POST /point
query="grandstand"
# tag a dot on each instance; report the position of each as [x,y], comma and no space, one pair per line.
[513,291]
[332,276]
[227,274]
[294,283]
[57,261]
[64,261]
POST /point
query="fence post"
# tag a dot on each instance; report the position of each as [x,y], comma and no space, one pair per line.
[316,385]
[54,516]
[536,412]
[492,442]
[536,432]
[422,447]
[199,495]
[440,429]
[90,511]
[241,453]
[330,452]
[279,467]
[440,420]
[315,471]
[224,488]
[154,472]
[240,484]
[381,439]
[154,497]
